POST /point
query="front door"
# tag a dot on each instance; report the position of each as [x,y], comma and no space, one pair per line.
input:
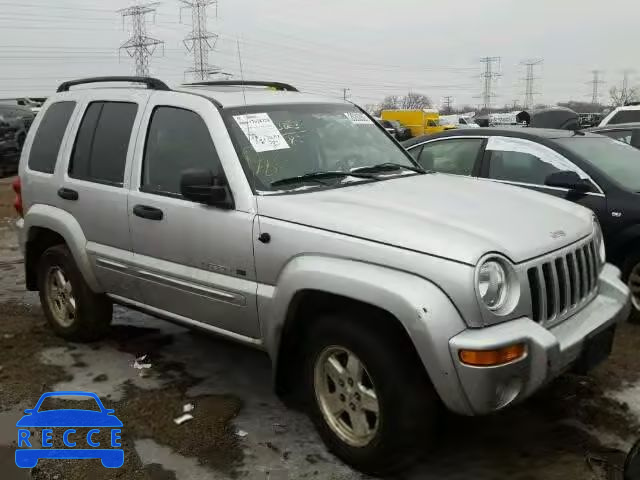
[194,261]
[527,164]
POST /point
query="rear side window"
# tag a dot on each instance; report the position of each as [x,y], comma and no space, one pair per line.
[48,139]
[177,140]
[100,152]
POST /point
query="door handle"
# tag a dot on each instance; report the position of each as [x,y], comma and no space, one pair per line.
[150,213]
[68,194]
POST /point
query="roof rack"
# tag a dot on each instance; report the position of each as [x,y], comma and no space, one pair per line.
[151,83]
[248,83]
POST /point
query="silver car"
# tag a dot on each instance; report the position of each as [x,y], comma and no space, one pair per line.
[295,224]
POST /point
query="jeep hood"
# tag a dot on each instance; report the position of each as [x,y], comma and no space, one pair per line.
[452,217]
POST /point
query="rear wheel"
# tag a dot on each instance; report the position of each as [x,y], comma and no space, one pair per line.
[367,394]
[72,309]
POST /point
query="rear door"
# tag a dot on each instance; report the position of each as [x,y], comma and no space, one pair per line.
[95,185]
[525,163]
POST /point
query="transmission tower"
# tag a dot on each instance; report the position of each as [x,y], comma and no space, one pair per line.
[625,84]
[488,76]
[447,102]
[595,86]
[200,41]
[140,46]
[530,82]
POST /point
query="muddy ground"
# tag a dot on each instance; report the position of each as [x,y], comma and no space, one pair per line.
[577,428]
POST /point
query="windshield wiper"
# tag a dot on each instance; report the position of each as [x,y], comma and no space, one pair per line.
[387,167]
[318,176]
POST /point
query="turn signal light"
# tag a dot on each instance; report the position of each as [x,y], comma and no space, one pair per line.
[489,358]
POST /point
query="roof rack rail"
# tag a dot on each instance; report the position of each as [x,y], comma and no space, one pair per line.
[151,83]
[248,83]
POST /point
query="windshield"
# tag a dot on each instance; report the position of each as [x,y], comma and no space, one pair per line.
[625,116]
[619,161]
[275,142]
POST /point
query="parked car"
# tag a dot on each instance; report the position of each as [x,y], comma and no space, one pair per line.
[9,148]
[592,170]
[628,114]
[396,129]
[291,223]
[625,132]
[32,105]
[20,119]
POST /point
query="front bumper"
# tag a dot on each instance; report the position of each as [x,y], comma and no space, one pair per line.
[549,351]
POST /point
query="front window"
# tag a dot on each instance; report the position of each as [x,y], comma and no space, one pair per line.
[625,116]
[617,160]
[277,142]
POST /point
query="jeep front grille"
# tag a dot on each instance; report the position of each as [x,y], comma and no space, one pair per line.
[563,283]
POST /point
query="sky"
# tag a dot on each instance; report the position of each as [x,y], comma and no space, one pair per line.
[372,48]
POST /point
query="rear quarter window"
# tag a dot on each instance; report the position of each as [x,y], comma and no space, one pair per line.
[49,135]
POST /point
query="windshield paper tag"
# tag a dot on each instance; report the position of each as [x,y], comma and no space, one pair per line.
[261,132]
[358,118]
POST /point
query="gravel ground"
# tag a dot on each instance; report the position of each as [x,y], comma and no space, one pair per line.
[577,428]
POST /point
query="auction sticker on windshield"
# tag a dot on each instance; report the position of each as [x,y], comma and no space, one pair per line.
[65,428]
[358,118]
[261,132]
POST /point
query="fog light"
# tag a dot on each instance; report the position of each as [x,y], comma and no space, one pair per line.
[488,358]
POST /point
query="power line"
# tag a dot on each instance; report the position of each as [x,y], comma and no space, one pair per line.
[488,76]
[595,85]
[140,46]
[530,82]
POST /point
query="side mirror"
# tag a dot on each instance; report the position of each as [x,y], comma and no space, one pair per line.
[202,186]
[568,179]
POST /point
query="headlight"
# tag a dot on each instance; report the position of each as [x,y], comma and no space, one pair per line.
[599,242]
[493,287]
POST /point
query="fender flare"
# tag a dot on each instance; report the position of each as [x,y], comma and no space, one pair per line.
[427,315]
[64,224]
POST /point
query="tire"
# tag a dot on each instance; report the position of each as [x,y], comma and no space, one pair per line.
[631,276]
[404,428]
[71,308]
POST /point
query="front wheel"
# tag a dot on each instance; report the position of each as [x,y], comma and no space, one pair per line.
[367,393]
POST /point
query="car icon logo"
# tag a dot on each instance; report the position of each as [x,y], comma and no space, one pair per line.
[79,446]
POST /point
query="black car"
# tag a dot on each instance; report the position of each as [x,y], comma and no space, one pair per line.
[9,148]
[625,132]
[19,118]
[397,129]
[590,169]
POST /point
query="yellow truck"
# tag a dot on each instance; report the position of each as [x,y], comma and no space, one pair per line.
[420,121]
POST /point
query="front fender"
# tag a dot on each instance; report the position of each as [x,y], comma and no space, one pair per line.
[426,313]
[64,224]
[617,249]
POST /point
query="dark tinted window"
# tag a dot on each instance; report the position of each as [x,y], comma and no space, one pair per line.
[100,152]
[46,143]
[625,116]
[457,156]
[520,167]
[177,140]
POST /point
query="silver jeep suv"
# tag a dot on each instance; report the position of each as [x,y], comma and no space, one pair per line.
[295,224]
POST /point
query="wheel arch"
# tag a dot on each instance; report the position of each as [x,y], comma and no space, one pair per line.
[410,305]
[45,226]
